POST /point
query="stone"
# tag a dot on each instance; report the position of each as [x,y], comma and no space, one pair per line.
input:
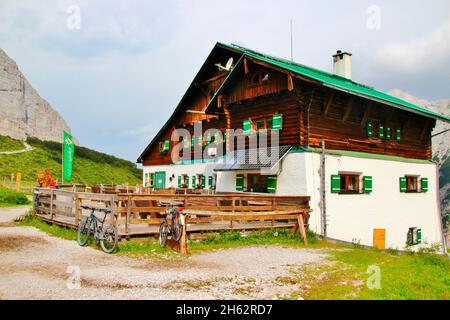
[23,113]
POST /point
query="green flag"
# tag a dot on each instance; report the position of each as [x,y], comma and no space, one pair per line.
[68,151]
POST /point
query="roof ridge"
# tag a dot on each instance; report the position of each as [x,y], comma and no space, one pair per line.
[295,63]
[336,82]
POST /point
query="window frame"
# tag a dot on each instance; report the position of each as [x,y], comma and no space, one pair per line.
[410,178]
[347,177]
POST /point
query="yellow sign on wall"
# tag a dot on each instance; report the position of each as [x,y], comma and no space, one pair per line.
[379,238]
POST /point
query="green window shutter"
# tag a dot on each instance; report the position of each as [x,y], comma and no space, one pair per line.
[179,181]
[369,129]
[208,139]
[247,127]
[388,133]
[419,236]
[424,182]
[272,184]
[210,182]
[203,182]
[367,183]
[277,122]
[403,184]
[397,134]
[239,182]
[409,239]
[335,183]
[380,131]
[193,181]
[166,145]
[192,142]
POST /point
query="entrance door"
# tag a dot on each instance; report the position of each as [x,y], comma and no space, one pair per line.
[160,180]
[379,238]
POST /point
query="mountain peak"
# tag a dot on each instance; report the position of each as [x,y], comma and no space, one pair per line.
[23,112]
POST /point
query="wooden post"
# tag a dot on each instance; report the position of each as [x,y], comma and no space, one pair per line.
[184,249]
[127,221]
[51,204]
[233,203]
[78,212]
[301,226]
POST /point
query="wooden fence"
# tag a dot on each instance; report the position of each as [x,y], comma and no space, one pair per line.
[141,214]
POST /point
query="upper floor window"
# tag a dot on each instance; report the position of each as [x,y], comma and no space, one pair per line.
[259,77]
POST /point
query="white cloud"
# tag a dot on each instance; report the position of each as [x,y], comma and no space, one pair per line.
[419,55]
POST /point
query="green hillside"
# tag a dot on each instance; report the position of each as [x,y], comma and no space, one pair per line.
[89,167]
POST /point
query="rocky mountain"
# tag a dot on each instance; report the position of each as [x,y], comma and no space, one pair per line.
[23,113]
[441,144]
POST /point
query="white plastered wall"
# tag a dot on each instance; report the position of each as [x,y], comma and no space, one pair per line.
[353,217]
[349,217]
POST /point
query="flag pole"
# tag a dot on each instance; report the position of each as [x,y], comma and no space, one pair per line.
[62,160]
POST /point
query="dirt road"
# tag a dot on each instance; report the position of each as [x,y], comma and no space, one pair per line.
[34,265]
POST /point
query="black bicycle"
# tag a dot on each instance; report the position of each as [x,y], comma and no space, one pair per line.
[105,234]
[174,228]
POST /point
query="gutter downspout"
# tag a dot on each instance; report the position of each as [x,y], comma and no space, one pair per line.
[322,185]
[441,226]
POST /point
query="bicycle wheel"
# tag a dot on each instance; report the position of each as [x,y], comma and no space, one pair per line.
[177,228]
[163,233]
[84,231]
[109,238]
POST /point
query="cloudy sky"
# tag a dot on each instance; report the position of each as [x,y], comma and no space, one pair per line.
[116,74]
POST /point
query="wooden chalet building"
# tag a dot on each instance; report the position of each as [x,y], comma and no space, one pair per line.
[373,181]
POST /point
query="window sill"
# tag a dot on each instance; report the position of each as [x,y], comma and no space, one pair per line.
[351,192]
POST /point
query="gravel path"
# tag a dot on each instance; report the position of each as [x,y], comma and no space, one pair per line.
[34,265]
[26,149]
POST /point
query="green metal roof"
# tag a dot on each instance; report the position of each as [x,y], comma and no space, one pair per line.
[334,81]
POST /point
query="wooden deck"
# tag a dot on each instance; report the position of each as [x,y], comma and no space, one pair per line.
[141,214]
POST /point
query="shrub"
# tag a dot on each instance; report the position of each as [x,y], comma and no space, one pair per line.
[10,197]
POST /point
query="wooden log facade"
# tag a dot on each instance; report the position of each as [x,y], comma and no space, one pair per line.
[311,113]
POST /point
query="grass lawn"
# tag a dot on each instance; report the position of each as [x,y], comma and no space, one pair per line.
[10,198]
[345,275]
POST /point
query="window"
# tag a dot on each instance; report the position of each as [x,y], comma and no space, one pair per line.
[183,181]
[164,146]
[259,77]
[414,236]
[261,184]
[348,183]
[260,125]
[410,184]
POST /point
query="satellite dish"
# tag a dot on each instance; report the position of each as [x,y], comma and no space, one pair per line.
[228,66]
